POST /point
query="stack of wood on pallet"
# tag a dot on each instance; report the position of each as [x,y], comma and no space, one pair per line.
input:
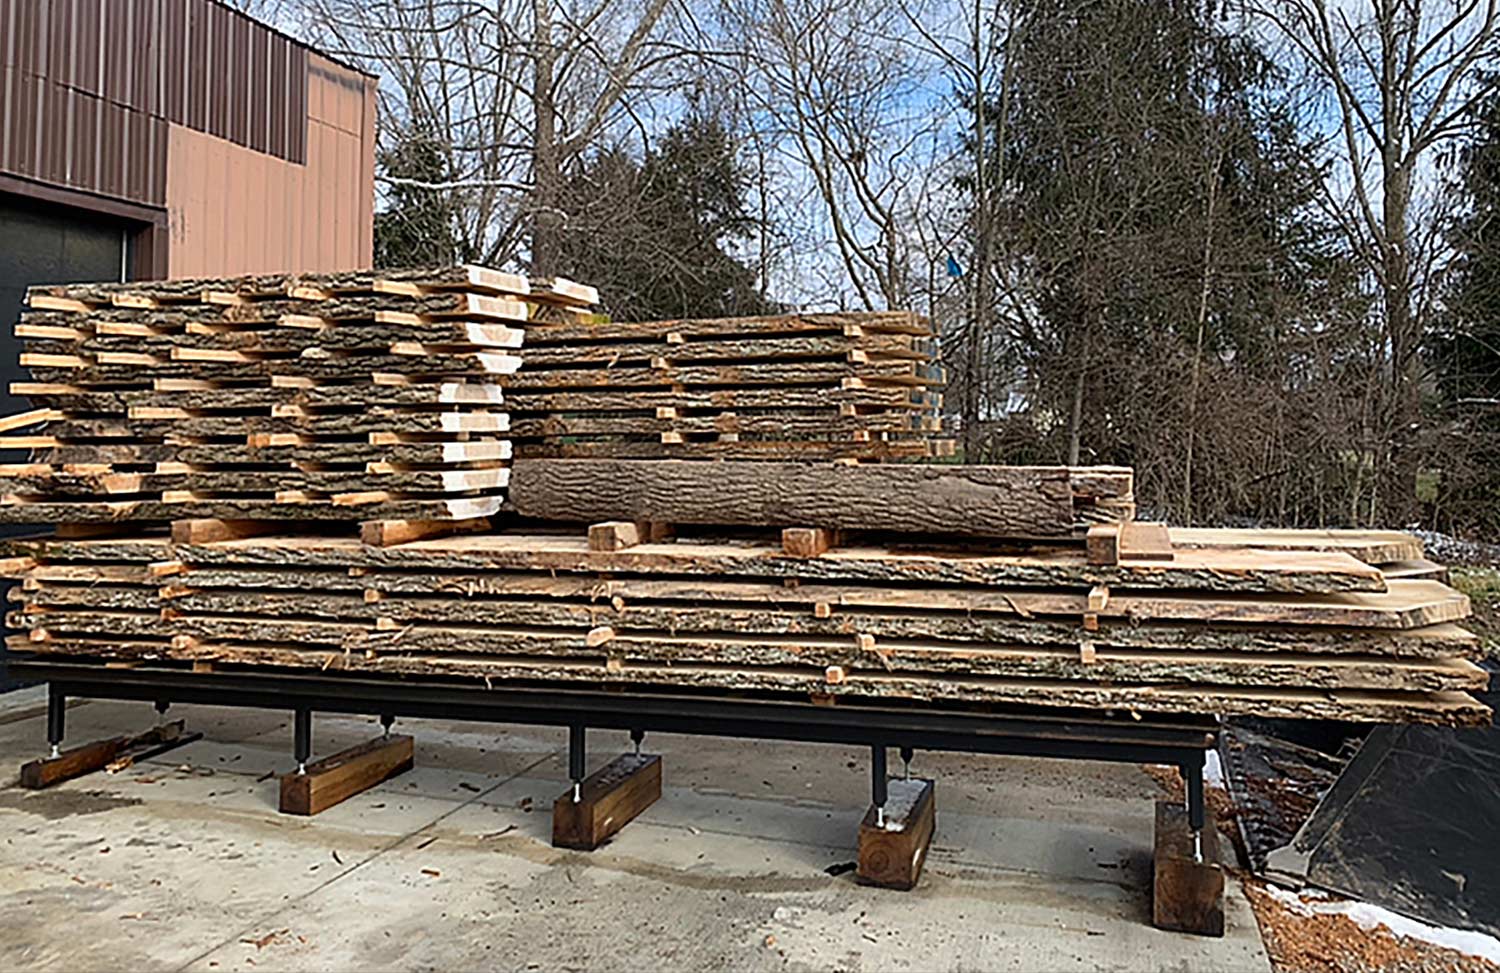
[1127,623]
[844,387]
[313,397]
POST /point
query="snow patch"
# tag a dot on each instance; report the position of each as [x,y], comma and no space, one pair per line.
[1367,916]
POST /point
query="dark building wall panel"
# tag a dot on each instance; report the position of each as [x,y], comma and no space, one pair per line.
[231,147]
[92,84]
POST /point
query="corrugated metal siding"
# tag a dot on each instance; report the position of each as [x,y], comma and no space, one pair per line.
[235,210]
[90,87]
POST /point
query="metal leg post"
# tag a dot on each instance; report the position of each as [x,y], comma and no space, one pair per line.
[636,736]
[1193,774]
[57,705]
[906,754]
[302,738]
[577,764]
[386,719]
[162,706]
[878,788]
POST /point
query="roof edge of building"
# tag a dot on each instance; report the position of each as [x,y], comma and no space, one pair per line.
[311,49]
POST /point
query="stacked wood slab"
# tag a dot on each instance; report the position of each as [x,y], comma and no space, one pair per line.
[855,386]
[1234,631]
[313,397]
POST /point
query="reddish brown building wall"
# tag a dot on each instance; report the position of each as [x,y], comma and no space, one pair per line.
[241,149]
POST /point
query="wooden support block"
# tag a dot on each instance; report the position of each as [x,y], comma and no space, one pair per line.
[1103,544]
[617,535]
[1187,895]
[208,530]
[341,776]
[385,533]
[1144,541]
[101,753]
[807,541]
[83,531]
[609,799]
[892,856]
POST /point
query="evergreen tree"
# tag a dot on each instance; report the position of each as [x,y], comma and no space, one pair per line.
[418,225]
[1156,208]
[656,236]
[1465,351]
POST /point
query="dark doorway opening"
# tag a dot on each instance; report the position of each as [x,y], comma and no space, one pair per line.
[48,243]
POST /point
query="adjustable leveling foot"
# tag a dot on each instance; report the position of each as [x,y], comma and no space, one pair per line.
[597,806]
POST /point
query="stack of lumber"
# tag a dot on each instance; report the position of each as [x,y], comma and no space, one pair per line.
[1233,631]
[799,386]
[309,397]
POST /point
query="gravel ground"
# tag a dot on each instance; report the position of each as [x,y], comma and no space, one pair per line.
[1450,550]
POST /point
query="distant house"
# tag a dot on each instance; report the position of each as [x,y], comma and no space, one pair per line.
[173,138]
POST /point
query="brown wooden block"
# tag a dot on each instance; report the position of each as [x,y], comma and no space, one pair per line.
[892,856]
[208,530]
[1144,541]
[341,776]
[99,754]
[88,530]
[609,799]
[1187,895]
[385,533]
[616,535]
[807,541]
[1103,544]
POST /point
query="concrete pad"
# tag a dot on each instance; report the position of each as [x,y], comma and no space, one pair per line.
[182,862]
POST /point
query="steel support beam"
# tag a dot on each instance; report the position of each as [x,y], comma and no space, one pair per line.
[1177,742]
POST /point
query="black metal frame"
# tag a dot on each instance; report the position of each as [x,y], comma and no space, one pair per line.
[1181,742]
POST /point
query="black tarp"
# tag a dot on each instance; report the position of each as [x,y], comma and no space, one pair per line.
[1407,823]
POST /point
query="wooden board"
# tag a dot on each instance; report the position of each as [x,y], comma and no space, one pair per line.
[1218,571]
[609,799]
[346,773]
[1370,546]
[1248,571]
[892,855]
[874,322]
[818,631]
[858,652]
[1358,705]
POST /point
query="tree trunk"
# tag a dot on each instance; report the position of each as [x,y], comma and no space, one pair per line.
[546,217]
[1075,412]
[1403,412]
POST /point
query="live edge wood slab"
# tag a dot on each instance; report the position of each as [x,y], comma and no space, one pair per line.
[609,799]
[1187,895]
[346,773]
[892,855]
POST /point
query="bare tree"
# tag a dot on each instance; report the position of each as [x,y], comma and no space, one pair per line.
[1404,76]
[512,91]
[829,86]
[972,45]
